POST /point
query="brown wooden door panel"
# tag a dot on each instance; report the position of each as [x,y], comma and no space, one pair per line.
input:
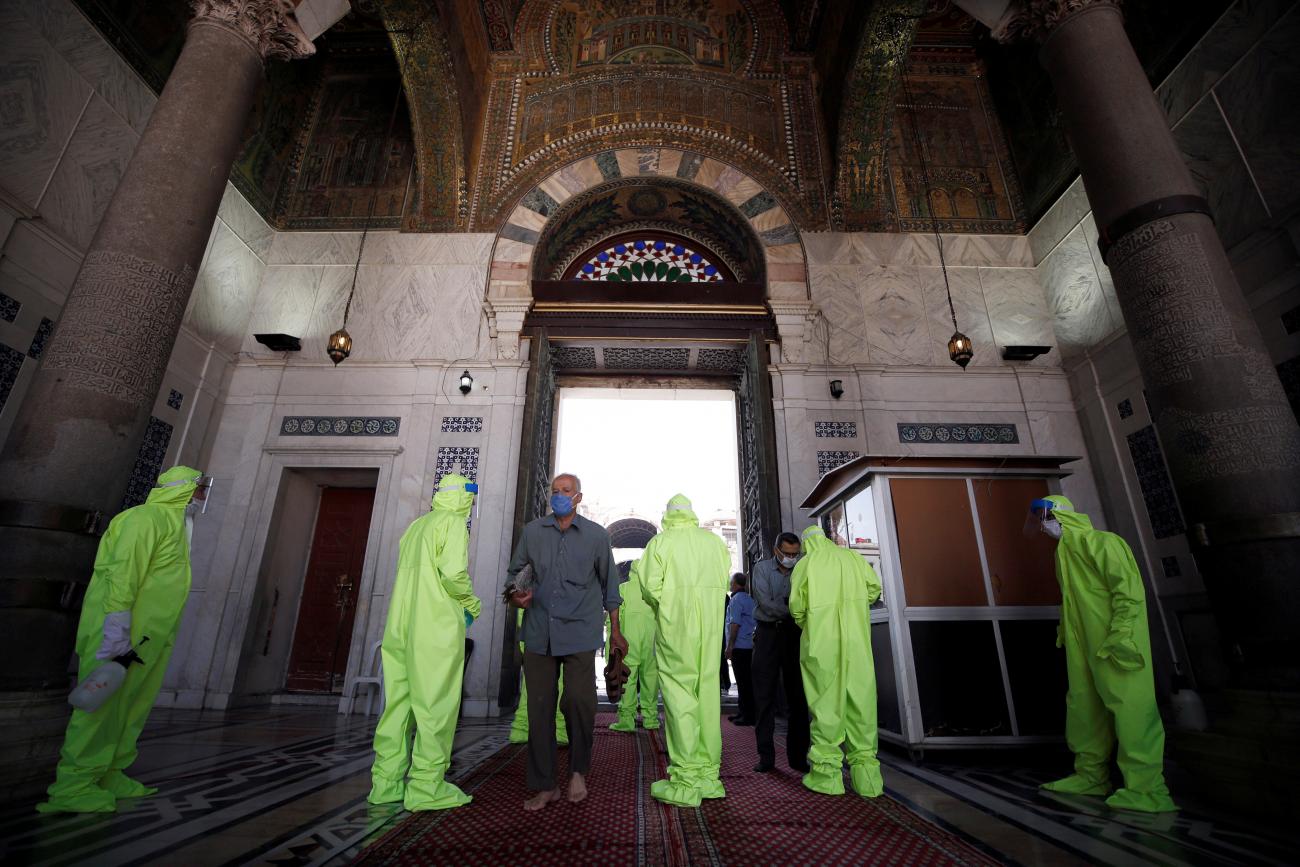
[323,636]
[1022,571]
[938,554]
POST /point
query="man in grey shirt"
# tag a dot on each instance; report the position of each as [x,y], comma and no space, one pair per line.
[776,658]
[575,583]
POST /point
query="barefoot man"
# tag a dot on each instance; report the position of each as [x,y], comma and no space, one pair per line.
[575,582]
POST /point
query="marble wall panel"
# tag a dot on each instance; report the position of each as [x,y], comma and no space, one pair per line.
[897,326]
[225,290]
[1018,311]
[242,219]
[1059,221]
[1258,98]
[41,100]
[831,248]
[1089,225]
[1080,315]
[1218,169]
[837,291]
[88,173]
[284,305]
[993,251]
[972,317]
[315,248]
[881,248]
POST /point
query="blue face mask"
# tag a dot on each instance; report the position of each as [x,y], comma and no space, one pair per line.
[561,505]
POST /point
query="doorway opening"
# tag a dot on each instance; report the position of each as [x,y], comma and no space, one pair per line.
[300,638]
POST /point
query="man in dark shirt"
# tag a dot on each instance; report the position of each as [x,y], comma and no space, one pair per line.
[776,658]
[575,583]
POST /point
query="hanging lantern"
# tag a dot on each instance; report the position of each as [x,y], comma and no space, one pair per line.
[960,349]
[340,346]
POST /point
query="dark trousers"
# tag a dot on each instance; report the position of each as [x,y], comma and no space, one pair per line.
[724,676]
[776,659]
[742,662]
[542,675]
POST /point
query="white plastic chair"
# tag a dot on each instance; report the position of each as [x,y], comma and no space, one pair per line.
[372,676]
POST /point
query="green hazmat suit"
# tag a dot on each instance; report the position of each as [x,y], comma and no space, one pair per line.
[142,566]
[831,593]
[636,620]
[424,655]
[519,726]
[1111,697]
[685,571]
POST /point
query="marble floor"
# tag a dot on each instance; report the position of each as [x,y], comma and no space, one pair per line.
[286,786]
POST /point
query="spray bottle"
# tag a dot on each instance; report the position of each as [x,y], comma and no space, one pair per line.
[101,683]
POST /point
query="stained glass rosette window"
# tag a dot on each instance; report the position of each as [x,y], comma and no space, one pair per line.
[649,260]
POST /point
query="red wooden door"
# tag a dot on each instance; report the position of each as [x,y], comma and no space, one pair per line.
[323,635]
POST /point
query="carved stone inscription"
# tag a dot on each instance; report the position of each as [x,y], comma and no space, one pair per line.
[119,325]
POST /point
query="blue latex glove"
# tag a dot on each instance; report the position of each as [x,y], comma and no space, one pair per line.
[469,618]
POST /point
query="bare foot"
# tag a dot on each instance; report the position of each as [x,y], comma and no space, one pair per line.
[577,789]
[541,799]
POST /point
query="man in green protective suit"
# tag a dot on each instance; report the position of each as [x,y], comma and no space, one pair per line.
[685,571]
[638,623]
[138,589]
[1111,696]
[831,593]
[424,651]
[519,725]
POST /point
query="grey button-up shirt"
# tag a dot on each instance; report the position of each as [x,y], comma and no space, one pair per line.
[770,588]
[576,582]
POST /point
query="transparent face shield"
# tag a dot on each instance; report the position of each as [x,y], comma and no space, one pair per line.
[1040,511]
[202,489]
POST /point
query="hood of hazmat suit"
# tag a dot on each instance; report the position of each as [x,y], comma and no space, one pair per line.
[423,654]
[831,593]
[1111,699]
[142,567]
[637,621]
[685,571]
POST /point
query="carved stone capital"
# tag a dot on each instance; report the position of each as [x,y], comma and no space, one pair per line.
[794,320]
[1036,19]
[505,324]
[269,26]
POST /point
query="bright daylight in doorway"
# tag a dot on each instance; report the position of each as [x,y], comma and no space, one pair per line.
[634,448]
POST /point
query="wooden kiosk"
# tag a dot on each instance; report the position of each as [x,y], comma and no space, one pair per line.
[964,636]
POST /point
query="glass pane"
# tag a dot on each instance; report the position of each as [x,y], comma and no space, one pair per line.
[938,553]
[1022,571]
[1036,668]
[833,525]
[882,653]
[860,514]
[959,678]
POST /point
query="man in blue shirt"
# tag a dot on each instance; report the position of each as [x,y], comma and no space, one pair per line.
[740,646]
[776,658]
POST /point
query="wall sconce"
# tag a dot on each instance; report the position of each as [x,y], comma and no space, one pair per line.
[837,388]
[340,346]
[466,382]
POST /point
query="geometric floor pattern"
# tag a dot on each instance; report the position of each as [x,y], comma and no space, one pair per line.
[287,785]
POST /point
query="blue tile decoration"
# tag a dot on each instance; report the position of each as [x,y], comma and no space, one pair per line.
[11,362]
[462,424]
[1290,319]
[1153,478]
[455,459]
[1125,408]
[608,165]
[339,426]
[835,429]
[827,461]
[1289,373]
[43,332]
[1171,567]
[9,307]
[946,434]
[175,399]
[148,462]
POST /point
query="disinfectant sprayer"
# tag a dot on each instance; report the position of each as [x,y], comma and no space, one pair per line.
[101,683]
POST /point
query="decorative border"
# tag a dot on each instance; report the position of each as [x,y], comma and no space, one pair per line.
[1153,480]
[9,307]
[946,433]
[839,430]
[148,462]
[829,460]
[339,426]
[175,399]
[455,459]
[1125,408]
[462,424]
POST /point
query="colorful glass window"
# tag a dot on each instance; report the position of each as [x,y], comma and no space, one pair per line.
[649,260]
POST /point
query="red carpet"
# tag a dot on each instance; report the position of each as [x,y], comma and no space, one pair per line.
[765,819]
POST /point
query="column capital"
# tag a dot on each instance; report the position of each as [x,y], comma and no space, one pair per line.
[269,26]
[1036,19]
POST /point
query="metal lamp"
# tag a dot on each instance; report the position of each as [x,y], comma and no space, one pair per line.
[340,346]
[466,382]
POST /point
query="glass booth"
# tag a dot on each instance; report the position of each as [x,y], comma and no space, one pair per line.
[964,634]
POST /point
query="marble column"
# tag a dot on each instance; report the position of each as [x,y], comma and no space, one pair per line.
[67,462]
[1229,434]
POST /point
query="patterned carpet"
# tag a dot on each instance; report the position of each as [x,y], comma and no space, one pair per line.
[765,819]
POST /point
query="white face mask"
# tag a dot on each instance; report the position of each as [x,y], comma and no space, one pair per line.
[788,562]
[1052,527]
